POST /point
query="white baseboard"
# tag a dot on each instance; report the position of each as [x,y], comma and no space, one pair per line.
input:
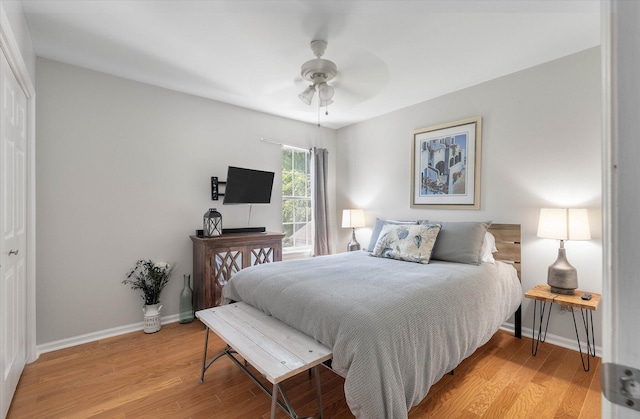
[121,330]
[93,336]
[553,339]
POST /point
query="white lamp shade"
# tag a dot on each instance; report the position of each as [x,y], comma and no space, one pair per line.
[352,218]
[564,224]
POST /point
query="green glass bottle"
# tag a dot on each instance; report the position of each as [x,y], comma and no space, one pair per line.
[186,301]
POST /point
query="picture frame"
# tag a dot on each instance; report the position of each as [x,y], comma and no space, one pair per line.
[445,165]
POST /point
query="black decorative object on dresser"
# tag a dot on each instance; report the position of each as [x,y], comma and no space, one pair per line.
[212,223]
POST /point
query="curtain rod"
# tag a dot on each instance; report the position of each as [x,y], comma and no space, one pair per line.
[280,143]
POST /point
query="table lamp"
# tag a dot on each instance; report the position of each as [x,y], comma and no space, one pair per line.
[353,218]
[563,224]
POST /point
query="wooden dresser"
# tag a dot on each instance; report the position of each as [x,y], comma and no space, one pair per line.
[216,259]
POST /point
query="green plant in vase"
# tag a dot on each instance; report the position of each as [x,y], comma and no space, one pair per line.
[150,278]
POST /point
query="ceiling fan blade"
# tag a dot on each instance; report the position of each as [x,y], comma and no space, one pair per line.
[274,83]
[363,74]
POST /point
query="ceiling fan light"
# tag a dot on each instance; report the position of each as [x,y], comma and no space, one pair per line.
[326,102]
[307,95]
[325,92]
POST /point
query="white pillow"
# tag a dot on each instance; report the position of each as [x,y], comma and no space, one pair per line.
[488,247]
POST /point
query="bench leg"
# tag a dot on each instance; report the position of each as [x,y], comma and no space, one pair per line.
[286,406]
[316,372]
[205,365]
[204,355]
[274,401]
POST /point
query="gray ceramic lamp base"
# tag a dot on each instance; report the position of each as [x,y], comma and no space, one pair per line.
[562,277]
[353,244]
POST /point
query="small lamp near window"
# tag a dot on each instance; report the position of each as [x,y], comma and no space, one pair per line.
[563,224]
[353,218]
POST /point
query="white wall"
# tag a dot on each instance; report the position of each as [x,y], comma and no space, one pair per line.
[540,148]
[123,173]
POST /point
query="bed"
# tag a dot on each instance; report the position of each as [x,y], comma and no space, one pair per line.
[395,328]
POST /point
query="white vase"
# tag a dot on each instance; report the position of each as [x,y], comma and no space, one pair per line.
[151,317]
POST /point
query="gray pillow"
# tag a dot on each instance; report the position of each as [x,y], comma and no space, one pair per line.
[459,241]
[377,228]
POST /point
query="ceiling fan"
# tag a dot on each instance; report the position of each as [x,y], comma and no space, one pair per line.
[318,83]
[318,72]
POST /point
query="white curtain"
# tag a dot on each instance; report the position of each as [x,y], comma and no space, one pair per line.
[320,210]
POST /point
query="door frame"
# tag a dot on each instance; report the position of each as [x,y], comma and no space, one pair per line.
[11,50]
[620,62]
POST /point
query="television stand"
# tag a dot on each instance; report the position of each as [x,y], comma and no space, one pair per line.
[244,230]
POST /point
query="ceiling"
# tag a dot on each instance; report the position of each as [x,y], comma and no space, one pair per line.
[389,54]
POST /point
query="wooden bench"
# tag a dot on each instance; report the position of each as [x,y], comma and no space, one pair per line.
[276,350]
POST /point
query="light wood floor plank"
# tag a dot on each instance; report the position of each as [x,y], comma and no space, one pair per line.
[506,369]
[591,409]
[156,376]
[558,386]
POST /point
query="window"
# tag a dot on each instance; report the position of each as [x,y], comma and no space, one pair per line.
[296,199]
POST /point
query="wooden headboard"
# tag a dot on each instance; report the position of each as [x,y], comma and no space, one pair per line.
[509,251]
[508,244]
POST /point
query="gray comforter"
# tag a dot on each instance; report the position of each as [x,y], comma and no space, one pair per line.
[395,327]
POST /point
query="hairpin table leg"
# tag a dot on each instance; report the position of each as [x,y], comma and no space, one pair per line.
[541,338]
[587,319]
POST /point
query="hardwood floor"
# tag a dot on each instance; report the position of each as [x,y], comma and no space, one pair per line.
[156,376]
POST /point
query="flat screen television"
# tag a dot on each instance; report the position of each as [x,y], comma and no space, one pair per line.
[248,186]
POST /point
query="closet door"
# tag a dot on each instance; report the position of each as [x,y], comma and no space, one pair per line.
[13,310]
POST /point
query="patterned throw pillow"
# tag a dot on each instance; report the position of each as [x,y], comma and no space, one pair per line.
[411,243]
[377,228]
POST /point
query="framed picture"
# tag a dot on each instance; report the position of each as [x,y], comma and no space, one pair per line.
[445,165]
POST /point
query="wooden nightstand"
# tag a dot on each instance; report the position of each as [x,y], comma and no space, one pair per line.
[540,293]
